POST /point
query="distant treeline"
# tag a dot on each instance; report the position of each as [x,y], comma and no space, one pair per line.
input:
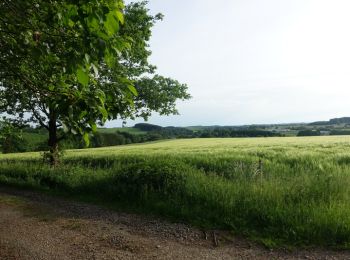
[334,121]
[317,132]
[35,139]
[228,132]
[181,132]
[154,133]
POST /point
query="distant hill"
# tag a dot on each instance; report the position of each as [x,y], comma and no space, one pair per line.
[333,121]
[341,120]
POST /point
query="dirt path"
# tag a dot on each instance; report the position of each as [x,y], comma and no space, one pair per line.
[34,226]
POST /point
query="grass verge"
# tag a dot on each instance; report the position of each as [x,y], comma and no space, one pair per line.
[299,196]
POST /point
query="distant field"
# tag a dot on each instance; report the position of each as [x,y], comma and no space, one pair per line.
[280,191]
[218,146]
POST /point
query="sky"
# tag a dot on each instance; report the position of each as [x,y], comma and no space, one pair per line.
[254,61]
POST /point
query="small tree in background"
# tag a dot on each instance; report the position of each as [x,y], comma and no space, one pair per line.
[75,64]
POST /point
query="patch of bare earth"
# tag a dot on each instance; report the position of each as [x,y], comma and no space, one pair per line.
[35,226]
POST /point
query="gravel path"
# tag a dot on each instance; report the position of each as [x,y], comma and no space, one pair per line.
[35,226]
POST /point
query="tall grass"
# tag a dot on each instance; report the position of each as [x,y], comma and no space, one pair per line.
[299,193]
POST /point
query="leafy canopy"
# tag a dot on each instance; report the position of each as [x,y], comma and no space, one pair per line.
[77,63]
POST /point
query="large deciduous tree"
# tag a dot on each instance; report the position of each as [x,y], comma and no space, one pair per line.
[73,64]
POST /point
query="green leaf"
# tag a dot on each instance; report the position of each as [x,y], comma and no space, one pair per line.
[93,23]
[132,90]
[65,128]
[70,112]
[103,111]
[71,23]
[87,58]
[86,139]
[94,68]
[93,127]
[109,59]
[111,24]
[83,77]
[83,114]
[120,16]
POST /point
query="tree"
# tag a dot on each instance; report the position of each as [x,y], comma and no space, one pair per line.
[74,64]
[11,139]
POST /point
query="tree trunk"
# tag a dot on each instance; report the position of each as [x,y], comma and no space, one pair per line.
[53,140]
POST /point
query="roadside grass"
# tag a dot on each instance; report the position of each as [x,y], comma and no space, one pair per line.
[279,191]
[27,208]
[10,200]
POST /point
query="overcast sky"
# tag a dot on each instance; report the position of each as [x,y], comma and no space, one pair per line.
[254,61]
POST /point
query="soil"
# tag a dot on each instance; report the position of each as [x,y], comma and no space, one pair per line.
[37,226]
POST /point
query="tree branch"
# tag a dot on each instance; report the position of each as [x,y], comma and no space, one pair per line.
[37,117]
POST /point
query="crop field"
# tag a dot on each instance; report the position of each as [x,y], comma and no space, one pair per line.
[290,191]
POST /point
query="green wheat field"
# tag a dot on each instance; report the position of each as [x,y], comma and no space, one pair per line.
[286,191]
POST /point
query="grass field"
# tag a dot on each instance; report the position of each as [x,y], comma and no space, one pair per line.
[280,191]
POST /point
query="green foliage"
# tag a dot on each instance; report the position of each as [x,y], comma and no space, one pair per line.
[49,51]
[339,132]
[309,132]
[11,138]
[76,64]
[147,127]
[298,196]
[230,132]
[129,130]
[107,139]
